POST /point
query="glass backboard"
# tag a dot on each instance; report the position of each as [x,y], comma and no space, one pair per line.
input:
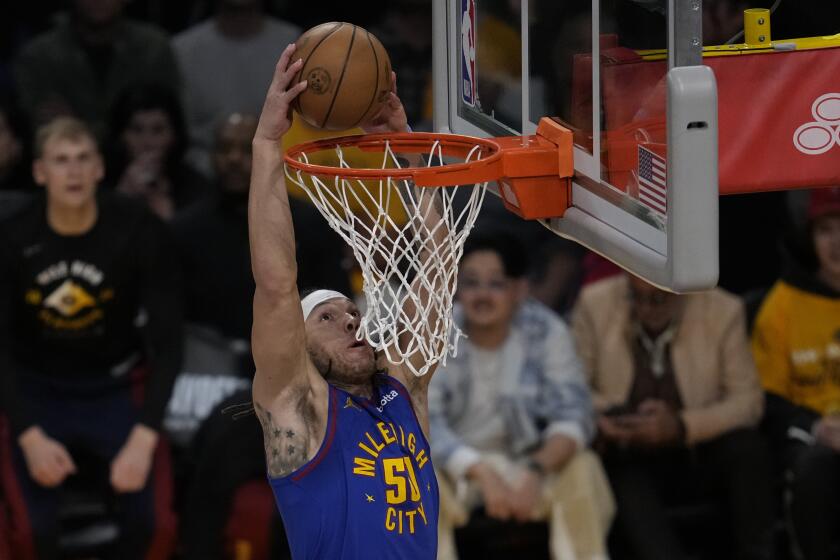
[645,190]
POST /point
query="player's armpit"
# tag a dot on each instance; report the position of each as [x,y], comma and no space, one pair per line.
[292,431]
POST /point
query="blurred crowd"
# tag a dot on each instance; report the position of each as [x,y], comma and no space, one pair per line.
[588,415]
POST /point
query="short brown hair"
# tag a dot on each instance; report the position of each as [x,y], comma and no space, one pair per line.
[65,128]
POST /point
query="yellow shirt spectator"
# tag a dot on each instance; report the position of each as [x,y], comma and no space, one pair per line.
[796,343]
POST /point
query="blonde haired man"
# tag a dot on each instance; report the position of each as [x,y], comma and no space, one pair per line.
[77,270]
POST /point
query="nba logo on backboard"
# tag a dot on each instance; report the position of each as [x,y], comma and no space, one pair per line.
[468,80]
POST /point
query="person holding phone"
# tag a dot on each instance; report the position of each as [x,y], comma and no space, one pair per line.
[678,399]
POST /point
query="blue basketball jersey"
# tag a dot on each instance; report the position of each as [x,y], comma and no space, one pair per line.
[370,491]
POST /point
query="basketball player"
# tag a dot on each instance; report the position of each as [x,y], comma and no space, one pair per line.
[345,443]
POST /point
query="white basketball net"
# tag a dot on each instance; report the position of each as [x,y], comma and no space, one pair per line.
[409,270]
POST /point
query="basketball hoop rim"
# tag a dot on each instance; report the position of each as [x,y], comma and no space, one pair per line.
[487,168]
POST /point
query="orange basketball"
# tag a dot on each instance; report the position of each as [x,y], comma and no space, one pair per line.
[348,74]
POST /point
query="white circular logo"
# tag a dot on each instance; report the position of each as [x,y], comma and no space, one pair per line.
[819,136]
[826,108]
[814,138]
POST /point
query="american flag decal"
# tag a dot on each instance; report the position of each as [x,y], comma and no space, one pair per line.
[653,190]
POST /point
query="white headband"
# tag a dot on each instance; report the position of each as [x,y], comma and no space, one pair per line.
[316,298]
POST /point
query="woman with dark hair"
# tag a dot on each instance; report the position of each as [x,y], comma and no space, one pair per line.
[796,343]
[149,140]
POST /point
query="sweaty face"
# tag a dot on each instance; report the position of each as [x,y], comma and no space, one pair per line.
[149,132]
[826,235]
[331,341]
[232,153]
[488,296]
[69,169]
[652,307]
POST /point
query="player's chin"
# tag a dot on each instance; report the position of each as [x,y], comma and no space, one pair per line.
[360,360]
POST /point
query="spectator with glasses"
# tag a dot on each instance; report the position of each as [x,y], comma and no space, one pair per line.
[511,416]
[677,397]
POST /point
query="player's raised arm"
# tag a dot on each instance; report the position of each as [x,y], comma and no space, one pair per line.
[278,341]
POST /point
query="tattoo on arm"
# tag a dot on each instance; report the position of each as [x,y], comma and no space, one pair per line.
[286,447]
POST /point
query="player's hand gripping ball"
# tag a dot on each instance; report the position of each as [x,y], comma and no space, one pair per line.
[348,74]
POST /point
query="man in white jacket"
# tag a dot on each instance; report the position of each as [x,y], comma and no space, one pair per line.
[511,416]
